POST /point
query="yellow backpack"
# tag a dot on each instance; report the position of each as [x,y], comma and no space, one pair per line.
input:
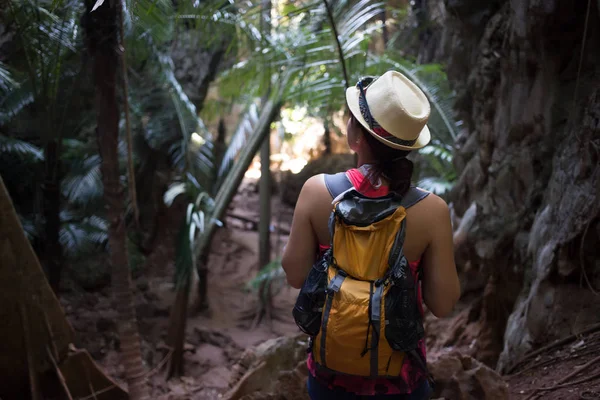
[359,301]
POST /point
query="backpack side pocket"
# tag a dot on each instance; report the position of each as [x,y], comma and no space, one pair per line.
[309,305]
[403,325]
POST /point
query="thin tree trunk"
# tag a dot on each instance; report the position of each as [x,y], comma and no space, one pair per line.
[264,237]
[130,165]
[176,333]
[51,196]
[327,136]
[202,268]
[264,223]
[264,234]
[385,36]
[103,41]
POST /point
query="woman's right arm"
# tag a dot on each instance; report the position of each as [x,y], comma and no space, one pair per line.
[441,287]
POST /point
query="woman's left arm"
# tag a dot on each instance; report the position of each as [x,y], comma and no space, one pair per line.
[301,249]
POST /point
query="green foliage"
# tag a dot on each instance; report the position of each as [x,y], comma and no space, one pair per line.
[270,276]
[81,236]
[194,223]
[23,150]
[243,131]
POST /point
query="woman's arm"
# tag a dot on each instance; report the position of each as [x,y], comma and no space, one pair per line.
[300,251]
[441,287]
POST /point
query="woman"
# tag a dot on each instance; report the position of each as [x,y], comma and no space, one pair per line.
[388,119]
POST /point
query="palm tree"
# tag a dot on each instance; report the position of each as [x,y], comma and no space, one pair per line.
[49,42]
[101,27]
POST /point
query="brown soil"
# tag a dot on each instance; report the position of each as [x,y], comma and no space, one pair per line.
[575,366]
[217,338]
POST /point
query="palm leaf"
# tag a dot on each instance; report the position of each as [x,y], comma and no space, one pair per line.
[174,190]
[238,140]
[7,83]
[271,272]
[83,184]
[79,236]
[15,100]
[437,185]
[20,148]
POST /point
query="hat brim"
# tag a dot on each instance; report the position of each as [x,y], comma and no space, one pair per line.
[352,94]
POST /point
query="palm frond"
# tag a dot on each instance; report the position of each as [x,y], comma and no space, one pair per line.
[15,100]
[436,185]
[83,184]
[29,226]
[7,83]
[238,140]
[20,148]
[79,236]
[155,18]
[174,190]
[171,116]
[194,224]
[270,273]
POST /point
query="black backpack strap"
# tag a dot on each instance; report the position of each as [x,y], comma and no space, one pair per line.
[337,183]
[413,196]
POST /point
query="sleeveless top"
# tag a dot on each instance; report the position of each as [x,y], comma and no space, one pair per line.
[411,376]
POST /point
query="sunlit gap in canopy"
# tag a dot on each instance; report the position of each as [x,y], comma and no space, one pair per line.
[294,141]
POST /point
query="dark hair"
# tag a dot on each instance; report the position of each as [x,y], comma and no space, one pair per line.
[390,164]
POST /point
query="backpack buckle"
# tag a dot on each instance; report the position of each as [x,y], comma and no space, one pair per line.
[336,282]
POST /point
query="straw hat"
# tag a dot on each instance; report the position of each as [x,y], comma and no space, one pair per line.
[393,109]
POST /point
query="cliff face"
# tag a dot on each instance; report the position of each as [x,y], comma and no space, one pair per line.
[527,75]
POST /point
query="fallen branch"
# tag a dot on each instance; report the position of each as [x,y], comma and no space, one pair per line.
[142,375]
[572,356]
[557,343]
[61,377]
[564,385]
[255,223]
[534,395]
[582,260]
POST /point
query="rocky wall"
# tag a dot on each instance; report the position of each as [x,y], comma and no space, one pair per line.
[527,76]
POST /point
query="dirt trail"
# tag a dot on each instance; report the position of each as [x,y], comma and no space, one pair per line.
[217,338]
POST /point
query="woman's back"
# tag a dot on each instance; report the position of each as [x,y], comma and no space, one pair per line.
[428,237]
[388,117]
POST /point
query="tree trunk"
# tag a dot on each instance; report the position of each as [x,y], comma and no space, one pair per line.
[264,234]
[385,36]
[51,196]
[327,136]
[102,42]
[264,224]
[176,333]
[202,268]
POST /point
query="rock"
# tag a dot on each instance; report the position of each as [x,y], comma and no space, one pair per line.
[460,377]
[271,370]
[187,347]
[92,274]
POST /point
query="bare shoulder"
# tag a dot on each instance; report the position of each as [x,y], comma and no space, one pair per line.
[313,189]
[433,206]
[315,182]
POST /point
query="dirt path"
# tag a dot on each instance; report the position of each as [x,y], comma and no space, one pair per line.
[216,339]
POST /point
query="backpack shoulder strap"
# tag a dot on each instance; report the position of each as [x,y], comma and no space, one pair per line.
[337,183]
[413,196]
